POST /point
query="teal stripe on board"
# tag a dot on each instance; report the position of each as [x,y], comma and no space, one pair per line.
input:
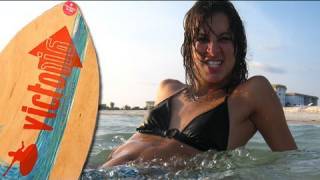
[48,142]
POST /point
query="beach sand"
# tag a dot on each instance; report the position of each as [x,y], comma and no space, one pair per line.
[303,115]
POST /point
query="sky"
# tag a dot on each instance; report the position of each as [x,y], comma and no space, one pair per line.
[138,43]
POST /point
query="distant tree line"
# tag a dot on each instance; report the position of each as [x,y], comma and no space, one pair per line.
[112,106]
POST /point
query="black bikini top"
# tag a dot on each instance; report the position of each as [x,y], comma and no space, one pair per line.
[209,130]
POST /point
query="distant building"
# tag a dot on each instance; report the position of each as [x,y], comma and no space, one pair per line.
[102,107]
[149,104]
[281,92]
[294,99]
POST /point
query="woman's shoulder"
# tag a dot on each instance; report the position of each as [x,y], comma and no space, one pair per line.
[255,84]
[171,85]
[167,88]
[256,88]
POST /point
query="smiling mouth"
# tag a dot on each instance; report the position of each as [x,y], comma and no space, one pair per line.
[212,63]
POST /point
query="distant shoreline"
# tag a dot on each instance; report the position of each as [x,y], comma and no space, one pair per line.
[306,122]
[119,112]
[294,115]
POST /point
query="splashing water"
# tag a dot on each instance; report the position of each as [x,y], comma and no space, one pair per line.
[255,161]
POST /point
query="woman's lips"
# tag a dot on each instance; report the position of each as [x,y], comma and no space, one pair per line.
[213,65]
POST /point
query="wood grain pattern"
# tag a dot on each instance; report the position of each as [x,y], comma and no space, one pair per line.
[19,69]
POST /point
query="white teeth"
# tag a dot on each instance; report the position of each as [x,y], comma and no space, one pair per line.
[214,63]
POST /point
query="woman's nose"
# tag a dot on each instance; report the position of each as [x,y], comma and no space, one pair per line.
[213,48]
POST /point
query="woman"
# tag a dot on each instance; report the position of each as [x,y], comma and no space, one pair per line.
[218,107]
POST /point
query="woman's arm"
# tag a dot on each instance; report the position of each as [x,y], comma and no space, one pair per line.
[268,115]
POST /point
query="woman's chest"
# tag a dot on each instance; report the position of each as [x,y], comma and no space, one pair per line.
[185,112]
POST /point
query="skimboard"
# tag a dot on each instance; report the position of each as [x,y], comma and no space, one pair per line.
[49,95]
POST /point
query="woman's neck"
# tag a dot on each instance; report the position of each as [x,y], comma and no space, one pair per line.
[203,88]
[209,92]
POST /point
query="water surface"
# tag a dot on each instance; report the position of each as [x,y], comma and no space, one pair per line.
[254,161]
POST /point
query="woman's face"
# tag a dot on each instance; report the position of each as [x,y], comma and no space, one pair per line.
[213,51]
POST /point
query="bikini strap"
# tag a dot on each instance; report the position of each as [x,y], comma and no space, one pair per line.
[178,92]
[175,93]
[172,95]
[226,98]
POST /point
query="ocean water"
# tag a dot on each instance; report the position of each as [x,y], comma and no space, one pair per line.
[254,161]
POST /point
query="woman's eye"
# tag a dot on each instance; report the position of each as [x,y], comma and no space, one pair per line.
[202,39]
[225,39]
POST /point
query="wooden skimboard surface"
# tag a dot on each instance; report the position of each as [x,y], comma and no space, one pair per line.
[49,94]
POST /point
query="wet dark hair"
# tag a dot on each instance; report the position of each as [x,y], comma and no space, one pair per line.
[194,19]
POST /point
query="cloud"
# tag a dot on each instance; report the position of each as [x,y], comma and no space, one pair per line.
[267,68]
